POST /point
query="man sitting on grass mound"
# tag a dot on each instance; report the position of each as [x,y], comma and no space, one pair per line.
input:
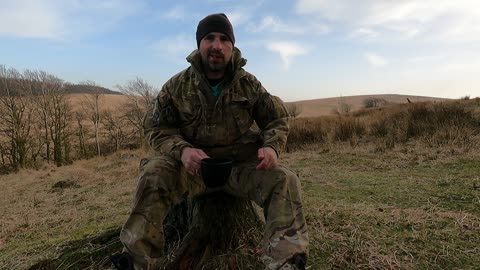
[209,110]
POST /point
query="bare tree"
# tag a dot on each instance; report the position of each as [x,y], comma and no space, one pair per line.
[91,105]
[140,95]
[3,154]
[115,127]
[54,110]
[343,106]
[34,87]
[16,117]
[374,102]
[81,131]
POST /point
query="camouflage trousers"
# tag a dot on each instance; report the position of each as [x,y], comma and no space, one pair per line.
[163,182]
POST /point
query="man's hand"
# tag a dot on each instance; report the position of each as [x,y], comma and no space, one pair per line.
[268,158]
[191,159]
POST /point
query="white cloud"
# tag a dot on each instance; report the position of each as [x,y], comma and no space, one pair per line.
[242,13]
[238,17]
[319,28]
[427,19]
[464,62]
[177,47]
[276,25]
[29,19]
[364,33]
[58,19]
[272,24]
[287,51]
[375,60]
[176,13]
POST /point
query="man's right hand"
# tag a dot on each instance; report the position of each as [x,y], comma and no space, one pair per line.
[191,159]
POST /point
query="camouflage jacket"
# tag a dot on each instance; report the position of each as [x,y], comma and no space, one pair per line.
[185,114]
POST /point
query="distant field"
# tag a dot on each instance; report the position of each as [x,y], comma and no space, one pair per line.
[326,106]
[107,102]
[309,108]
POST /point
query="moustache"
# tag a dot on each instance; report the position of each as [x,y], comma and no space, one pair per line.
[215,52]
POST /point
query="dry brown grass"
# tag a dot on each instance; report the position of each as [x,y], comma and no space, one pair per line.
[108,102]
[449,123]
[43,209]
[379,192]
[307,108]
[325,106]
[410,207]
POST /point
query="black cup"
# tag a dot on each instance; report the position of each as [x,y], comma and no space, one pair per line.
[216,171]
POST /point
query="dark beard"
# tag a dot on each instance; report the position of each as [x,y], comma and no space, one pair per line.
[215,67]
[212,66]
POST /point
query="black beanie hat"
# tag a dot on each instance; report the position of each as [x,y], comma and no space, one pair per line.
[215,23]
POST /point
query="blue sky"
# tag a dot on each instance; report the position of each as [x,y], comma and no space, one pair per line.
[299,49]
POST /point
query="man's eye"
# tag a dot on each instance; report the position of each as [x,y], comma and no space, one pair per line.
[223,38]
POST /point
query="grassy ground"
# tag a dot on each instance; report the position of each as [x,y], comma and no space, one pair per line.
[42,210]
[410,207]
[401,209]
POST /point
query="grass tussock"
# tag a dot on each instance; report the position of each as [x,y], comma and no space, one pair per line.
[347,128]
[304,131]
[452,123]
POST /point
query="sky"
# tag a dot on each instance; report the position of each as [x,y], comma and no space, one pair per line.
[298,49]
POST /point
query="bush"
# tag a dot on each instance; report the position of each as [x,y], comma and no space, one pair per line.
[373,102]
[434,124]
[346,128]
[306,131]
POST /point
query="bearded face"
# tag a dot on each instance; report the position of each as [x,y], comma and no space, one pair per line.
[216,51]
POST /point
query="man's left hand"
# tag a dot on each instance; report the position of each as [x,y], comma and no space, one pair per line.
[268,158]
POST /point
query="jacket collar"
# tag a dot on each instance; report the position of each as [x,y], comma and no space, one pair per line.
[234,69]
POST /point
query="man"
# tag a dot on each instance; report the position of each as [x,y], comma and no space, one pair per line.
[209,110]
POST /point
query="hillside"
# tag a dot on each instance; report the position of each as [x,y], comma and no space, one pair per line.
[389,188]
[107,102]
[87,89]
[70,88]
[326,106]
[410,208]
[309,108]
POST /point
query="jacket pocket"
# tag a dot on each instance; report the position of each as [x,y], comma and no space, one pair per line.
[241,112]
[189,109]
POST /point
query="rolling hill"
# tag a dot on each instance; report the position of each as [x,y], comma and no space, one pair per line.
[326,106]
[308,108]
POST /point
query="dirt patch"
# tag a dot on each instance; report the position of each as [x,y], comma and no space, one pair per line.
[63,184]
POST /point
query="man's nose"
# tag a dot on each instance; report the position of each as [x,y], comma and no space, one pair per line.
[217,44]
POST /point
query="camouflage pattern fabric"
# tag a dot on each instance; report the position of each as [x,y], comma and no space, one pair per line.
[163,182]
[185,113]
[244,118]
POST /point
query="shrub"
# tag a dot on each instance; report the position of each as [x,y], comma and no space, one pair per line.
[453,136]
[435,124]
[373,102]
[426,119]
[305,131]
[346,128]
